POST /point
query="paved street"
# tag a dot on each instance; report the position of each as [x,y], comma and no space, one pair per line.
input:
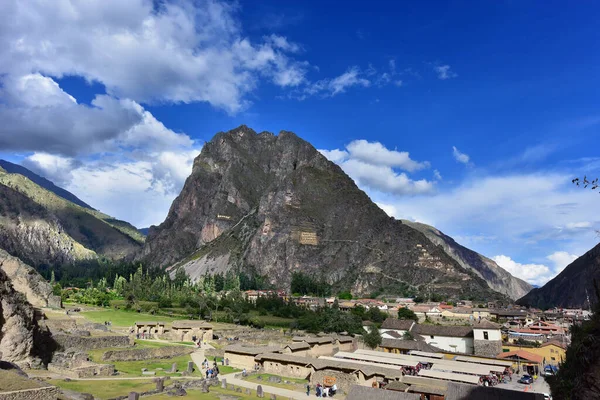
[279,392]
[539,386]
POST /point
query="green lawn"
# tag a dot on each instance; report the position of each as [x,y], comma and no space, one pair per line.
[292,386]
[215,393]
[10,380]
[106,389]
[224,369]
[122,318]
[134,368]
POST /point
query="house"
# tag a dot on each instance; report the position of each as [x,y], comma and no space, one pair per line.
[348,373]
[289,365]
[241,356]
[296,348]
[509,315]
[149,327]
[393,328]
[546,328]
[186,330]
[398,346]
[425,310]
[552,352]
[363,392]
[525,334]
[529,362]
[346,305]
[454,339]
[487,339]
[345,343]
[461,391]
[319,346]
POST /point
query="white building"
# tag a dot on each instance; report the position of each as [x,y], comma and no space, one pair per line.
[454,339]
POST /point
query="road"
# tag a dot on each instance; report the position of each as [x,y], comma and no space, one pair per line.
[279,392]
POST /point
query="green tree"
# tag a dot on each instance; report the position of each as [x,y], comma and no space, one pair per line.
[405,313]
[372,338]
[578,376]
[345,295]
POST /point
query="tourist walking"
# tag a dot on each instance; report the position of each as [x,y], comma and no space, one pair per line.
[308,389]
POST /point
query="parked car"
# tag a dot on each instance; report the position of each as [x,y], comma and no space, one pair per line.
[547,396]
[526,379]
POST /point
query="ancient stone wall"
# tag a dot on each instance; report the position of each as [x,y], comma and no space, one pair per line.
[84,343]
[286,369]
[147,354]
[240,360]
[44,393]
[487,348]
[344,381]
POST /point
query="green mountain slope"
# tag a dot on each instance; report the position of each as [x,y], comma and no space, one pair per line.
[41,227]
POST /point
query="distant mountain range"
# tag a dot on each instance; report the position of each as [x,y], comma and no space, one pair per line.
[272,204]
[43,226]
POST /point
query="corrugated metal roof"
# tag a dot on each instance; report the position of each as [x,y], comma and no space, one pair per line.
[250,350]
[375,359]
[459,391]
[487,361]
[449,376]
[362,392]
[426,354]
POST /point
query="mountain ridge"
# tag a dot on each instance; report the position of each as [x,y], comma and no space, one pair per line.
[12,168]
[568,289]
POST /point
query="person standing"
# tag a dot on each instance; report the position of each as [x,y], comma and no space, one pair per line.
[308,389]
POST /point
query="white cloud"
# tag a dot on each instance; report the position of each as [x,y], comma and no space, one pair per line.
[384,179]
[378,154]
[389,209]
[460,157]
[536,274]
[37,115]
[172,51]
[373,166]
[437,175]
[444,72]
[55,168]
[335,155]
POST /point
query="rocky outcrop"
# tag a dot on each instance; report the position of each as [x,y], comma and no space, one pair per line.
[274,205]
[43,228]
[22,340]
[497,278]
[27,281]
[571,288]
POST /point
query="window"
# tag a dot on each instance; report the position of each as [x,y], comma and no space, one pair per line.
[553,358]
[485,335]
[431,336]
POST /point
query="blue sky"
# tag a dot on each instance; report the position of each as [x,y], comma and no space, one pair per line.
[471,116]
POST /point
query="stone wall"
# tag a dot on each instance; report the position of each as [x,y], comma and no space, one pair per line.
[286,369]
[344,381]
[84,343]
[318,350]
[87,370]
[487,348]
[147,354]
[44,393]
[240,361]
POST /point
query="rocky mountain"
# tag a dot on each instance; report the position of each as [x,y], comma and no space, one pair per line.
[43,182]
[43,228]
[27,281]
[568,289]
[274,205]
[22,339]
[497,278]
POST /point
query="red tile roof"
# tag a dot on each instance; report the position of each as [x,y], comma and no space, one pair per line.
[522,354]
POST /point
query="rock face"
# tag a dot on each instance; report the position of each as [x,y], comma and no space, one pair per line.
[274,205]
[22,340]
[43,228]
[568,289]
[497,278]
[27,281]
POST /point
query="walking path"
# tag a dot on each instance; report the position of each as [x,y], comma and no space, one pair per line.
[279,392]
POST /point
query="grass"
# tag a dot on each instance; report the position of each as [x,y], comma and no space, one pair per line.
[96,354]
[265,381]
[122,318]
[105,389]
[134,368]
[12,381]
[224,369]
[215,393]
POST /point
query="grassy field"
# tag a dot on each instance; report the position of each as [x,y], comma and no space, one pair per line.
[297,383]
[215,393]
[134,368]
[122,318]
[96,355]
[106,389]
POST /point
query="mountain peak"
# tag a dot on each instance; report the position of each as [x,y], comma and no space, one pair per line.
[275,205]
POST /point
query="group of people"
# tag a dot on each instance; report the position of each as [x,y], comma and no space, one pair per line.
[211,372]
[323,391]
